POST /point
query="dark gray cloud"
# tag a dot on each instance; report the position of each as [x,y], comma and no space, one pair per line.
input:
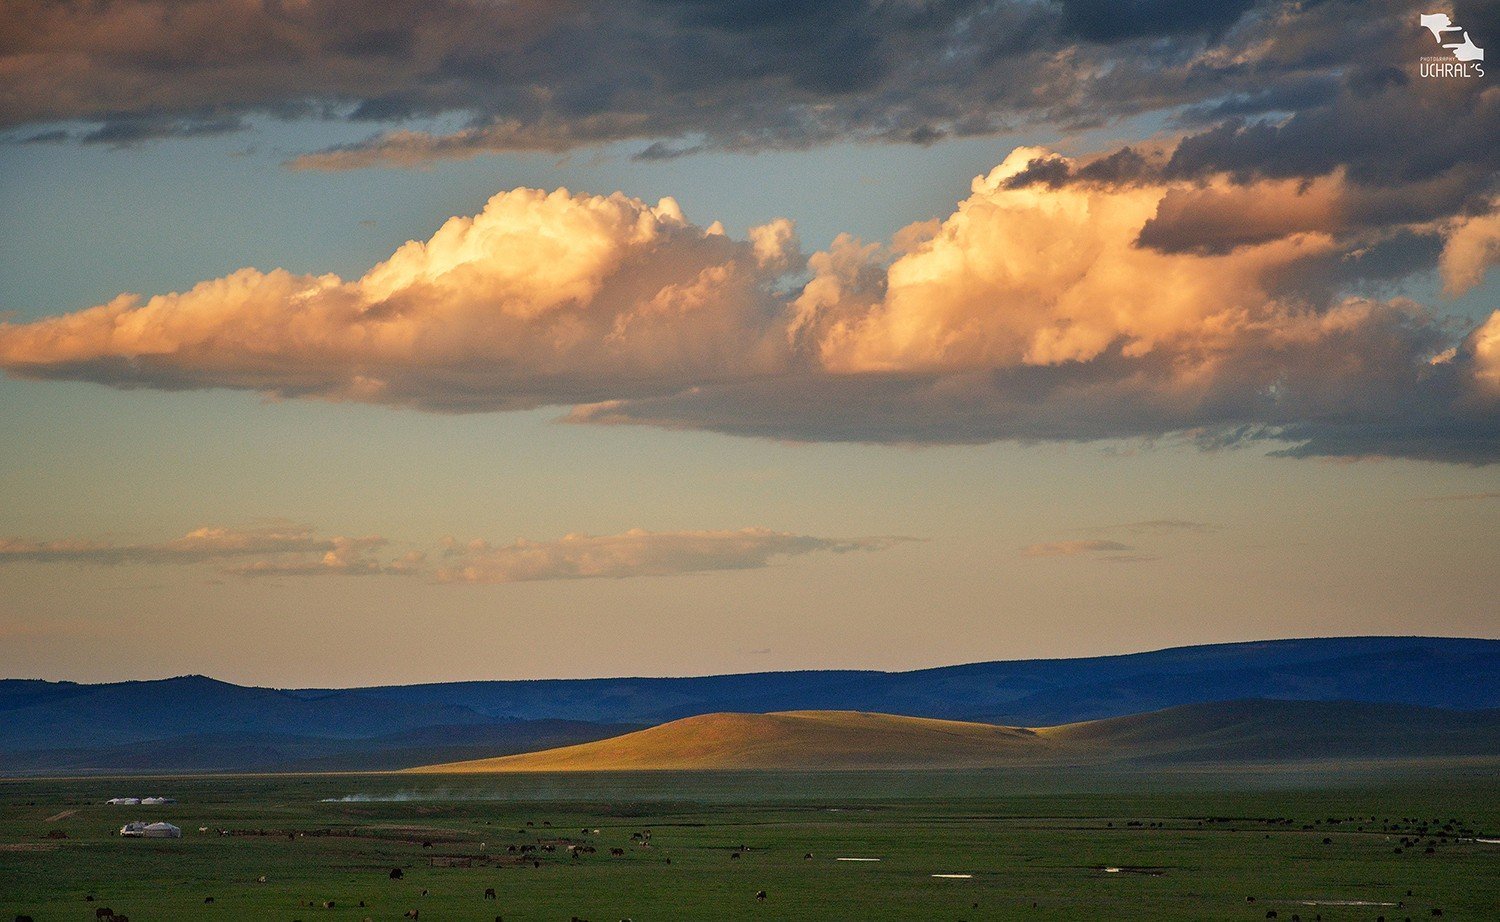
[1116,20]
[1269,88]
[739,74]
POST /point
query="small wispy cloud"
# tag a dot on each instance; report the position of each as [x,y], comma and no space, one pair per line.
[1159,527]
[295,551]
[636,553]
[1459,497]
[197,546]
[1073,548]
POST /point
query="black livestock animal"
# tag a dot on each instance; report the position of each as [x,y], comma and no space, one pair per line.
[760,896]
[489,893]
[397,874]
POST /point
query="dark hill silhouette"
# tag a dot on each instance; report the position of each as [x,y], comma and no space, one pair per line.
[1435,672]
[65,726]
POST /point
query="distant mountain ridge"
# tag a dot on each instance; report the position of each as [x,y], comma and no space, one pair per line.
[196,723]
[1227,732]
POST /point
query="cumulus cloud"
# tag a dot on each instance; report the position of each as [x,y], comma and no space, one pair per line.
[1052,304]
[291,551]
[539,299]
[635,553]
[1041,310]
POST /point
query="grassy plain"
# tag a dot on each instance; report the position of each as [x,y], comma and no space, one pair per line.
[1038,844]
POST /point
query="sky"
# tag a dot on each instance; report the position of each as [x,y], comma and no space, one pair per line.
[350,344]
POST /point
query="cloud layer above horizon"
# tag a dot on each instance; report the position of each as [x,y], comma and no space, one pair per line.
[1241,275]
[1104,297]
[297,550]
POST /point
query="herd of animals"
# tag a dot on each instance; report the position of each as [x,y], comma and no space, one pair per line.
[1415,833]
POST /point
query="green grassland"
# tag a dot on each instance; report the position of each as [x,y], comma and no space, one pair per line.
[1187,845]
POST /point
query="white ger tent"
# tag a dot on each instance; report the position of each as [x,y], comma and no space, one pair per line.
[140,830]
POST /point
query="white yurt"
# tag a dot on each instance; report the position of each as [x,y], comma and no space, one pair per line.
[124,801]
[140,830]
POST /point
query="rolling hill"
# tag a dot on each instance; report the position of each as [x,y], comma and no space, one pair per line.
[194,723]
[1236,731]
[788,740]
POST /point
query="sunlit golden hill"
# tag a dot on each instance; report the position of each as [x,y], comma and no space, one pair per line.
[784,740]
[1235,731]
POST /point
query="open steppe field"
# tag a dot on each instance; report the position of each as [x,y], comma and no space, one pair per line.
[1324,842]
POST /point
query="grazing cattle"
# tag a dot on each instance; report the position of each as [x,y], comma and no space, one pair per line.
[1271,914]
[734,854]
[760,896]
[412,914]
[261,879]
[807,857]
[424,891]
[25,919]
[328,904]
[489,893]
[103,912]
[396,874]
[617,852]
[208,899]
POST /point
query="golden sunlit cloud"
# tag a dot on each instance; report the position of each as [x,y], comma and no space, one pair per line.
[1049,305]
[635,553]
[294,550]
